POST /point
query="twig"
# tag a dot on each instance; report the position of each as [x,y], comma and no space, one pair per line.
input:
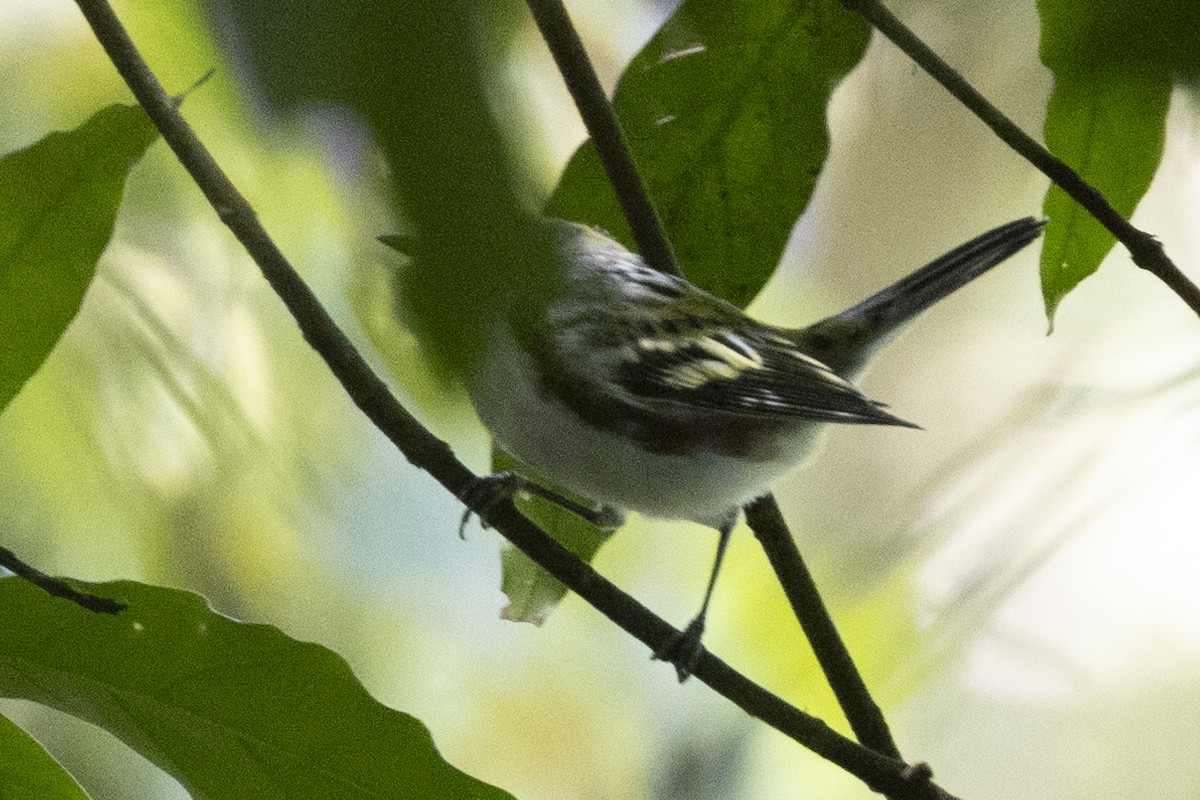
[428,452]
[1147,252]
[860,709]
[56,587]
[597,113]
[863,714]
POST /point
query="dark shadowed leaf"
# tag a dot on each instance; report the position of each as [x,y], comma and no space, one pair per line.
[231,710]
[724,110]
[58,203]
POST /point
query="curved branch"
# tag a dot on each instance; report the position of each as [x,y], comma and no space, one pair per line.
[427,452]
[1147,252]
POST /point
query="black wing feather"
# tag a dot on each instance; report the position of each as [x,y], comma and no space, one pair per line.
[782,381]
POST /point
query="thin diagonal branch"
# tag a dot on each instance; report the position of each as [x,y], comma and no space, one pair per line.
[862,712]
[1147,252]
[860,709]
[56,587]
[601,122]
[427,452]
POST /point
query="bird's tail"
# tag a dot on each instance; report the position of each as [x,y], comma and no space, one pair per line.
[845,341]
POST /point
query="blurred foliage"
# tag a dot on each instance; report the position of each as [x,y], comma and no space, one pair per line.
[1113,64]
[59,199]
[171,436]
[724,112]
[29,771]
[417,81]
[182,433]
[877,626]
[231,710]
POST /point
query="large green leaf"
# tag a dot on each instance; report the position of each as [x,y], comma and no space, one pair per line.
[231,710]
[724,111]
[28,771]
[1113,63]
[58,203]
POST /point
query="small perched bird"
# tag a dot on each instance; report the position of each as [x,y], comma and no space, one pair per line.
[642,392]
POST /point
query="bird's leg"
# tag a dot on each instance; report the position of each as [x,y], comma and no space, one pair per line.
[488,490]
[685,650]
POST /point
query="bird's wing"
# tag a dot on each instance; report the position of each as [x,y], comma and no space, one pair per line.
[753,371]
[656,342]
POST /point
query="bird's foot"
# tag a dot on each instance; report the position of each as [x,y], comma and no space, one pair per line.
[485,492]
[684,650]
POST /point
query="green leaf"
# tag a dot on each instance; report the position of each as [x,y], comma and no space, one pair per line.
[724,111]
[58,203]
[231,710]
[1113,65]
[28,771]
[532,592]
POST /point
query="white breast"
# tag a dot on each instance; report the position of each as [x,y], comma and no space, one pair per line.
[603,466]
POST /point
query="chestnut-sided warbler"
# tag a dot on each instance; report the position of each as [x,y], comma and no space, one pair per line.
[642,392]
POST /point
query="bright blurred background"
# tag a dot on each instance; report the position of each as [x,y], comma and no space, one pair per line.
[1018,580]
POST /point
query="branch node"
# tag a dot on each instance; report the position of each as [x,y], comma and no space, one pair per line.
[917,773]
